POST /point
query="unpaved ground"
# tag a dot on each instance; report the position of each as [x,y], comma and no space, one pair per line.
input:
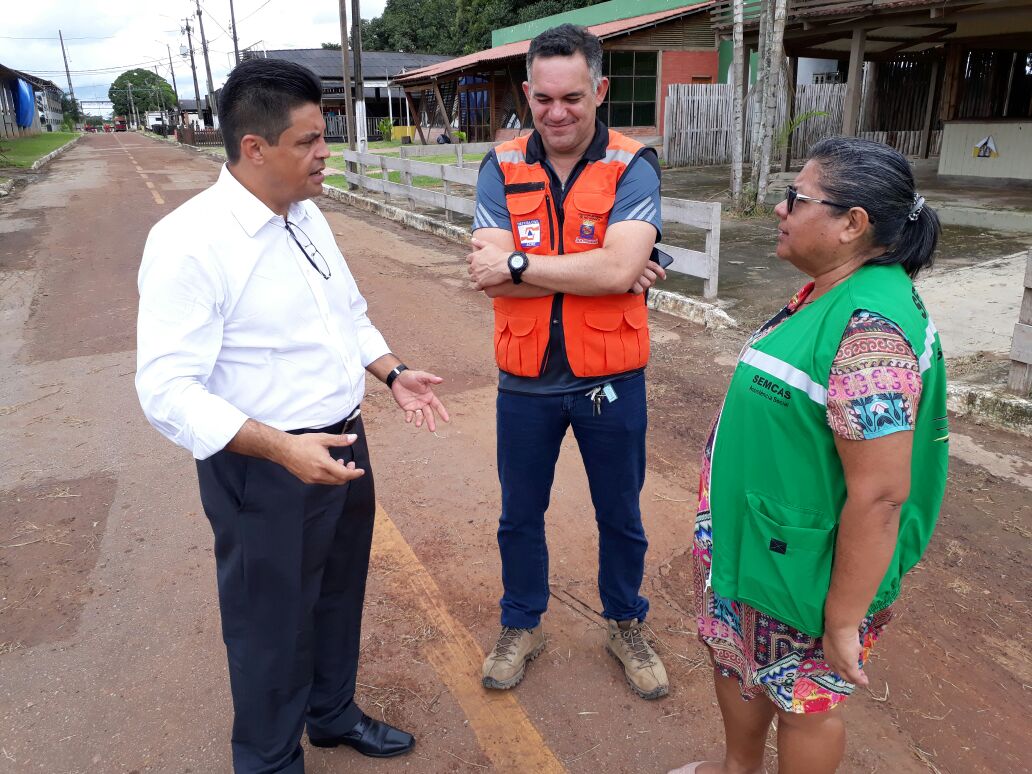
[110,652]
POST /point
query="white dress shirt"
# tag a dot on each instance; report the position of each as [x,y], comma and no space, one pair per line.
[235,322]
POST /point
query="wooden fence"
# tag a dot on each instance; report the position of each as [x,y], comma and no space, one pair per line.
[199,137]
[459,149]
[1021,347]
[699,123]
[701,215]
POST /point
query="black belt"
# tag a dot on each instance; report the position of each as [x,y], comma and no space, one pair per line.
[345,425]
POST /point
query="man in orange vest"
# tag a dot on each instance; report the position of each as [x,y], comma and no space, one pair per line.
[566,221]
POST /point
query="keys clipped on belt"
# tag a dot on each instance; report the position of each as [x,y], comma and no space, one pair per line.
[597,394]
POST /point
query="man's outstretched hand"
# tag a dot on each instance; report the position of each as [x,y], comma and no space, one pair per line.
[414,393]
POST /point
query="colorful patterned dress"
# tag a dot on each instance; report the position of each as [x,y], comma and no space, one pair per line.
[874,389]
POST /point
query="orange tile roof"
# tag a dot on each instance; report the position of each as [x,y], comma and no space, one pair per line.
[519,49]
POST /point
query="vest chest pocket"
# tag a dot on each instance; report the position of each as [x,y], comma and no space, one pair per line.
[594,202]
[530,222]
[586,224]
[612,341]
[784,568]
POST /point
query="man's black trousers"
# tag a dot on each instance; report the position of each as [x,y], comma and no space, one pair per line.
[291,560]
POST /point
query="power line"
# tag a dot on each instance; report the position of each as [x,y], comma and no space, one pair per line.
[87,37]
[148,63]
[256,10]
[212,18]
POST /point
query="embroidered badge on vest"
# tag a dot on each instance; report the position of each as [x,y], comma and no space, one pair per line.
[586,235]
[529,233]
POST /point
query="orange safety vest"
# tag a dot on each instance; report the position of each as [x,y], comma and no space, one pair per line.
[604,334]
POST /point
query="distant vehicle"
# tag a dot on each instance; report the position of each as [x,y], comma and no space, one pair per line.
[120,124]
[107,127]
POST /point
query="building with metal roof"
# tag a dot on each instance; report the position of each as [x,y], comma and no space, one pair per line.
[43,115]
[382,100]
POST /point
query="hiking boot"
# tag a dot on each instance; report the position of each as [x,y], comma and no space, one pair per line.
[505,665]
[645,672]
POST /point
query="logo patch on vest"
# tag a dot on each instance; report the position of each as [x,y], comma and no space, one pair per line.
[586,235]
[778,546]
[529,232]
[770,390]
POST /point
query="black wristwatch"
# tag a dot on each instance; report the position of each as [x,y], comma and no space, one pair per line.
[394,374]
[517,265]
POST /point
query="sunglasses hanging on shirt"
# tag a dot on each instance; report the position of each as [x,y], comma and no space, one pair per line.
[318,261]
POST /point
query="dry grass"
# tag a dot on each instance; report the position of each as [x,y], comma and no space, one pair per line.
[28,533]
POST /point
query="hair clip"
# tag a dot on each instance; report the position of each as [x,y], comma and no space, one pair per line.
[919,203]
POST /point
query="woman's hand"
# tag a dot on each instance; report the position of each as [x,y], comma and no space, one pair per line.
[842,649]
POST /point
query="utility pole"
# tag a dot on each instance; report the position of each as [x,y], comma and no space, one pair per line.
[71,91]
[207,67]
[158,94]
[193,67]
[232,26]
[349,104]
[172,70]
[356,46]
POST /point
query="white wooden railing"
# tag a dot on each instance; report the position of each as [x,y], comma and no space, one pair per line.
[701,215]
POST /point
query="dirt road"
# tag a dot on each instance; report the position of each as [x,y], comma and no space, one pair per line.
[111,657]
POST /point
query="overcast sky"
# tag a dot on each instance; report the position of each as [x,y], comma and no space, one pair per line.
[103,38]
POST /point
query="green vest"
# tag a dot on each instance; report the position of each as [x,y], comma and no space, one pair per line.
[777,485]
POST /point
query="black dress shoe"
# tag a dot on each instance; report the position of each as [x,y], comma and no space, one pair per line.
[371,737]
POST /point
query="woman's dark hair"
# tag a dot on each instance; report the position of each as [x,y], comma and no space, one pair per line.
[867,174]
[567,40]
[258,97]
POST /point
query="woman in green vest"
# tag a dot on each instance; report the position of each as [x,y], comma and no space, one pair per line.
[824,472]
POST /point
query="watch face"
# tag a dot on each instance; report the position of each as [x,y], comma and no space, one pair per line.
[517,261]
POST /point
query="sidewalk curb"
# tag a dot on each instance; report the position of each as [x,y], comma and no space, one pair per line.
[692,309]
[685,307]
[408,218]
[990,407]
[40,163]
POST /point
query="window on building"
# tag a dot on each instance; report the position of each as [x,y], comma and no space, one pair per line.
[632,88]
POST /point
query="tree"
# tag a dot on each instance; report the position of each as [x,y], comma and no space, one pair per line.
[739,88]
[452,27]
[70,111]
[331,46]
[773,64]
[149,92]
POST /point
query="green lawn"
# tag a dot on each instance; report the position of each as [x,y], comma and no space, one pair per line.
[388,146]
[23,151]
[468,160]
[418,181]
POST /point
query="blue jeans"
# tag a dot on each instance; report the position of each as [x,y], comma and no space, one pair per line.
[612,446]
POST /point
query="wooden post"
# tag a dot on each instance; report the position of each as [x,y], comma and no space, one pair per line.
[519,105]
[458,155]
[447,193]
[1020,381]
[926,127]
[406,179]
[442,110]
[709,287]
[384,177]
[854,83]
[415,113]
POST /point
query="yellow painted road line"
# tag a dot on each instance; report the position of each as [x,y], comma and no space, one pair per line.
[505,733]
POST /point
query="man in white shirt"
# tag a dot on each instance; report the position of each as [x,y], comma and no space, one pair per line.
[253,343]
